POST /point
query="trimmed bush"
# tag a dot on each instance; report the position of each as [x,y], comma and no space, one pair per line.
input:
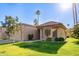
[56,39]
[49,39]
[59,39]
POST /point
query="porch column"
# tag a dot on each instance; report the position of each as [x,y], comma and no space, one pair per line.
[41,34]
[51,33]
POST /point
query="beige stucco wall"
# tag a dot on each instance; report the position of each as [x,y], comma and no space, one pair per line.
[25,31]
[2,34]
[16,37]
[33,30]
[61,33]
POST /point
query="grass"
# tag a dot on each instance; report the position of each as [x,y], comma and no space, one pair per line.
[70,40]
[40,48]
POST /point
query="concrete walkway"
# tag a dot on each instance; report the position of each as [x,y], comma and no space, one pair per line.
[11,41]
[5,41]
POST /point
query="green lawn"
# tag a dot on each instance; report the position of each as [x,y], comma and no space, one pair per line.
[40,48]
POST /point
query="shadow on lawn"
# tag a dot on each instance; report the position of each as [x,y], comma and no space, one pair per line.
[46,47]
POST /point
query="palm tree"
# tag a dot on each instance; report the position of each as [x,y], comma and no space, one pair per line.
[68,25]
[35,22]
[74,13]
[38,13]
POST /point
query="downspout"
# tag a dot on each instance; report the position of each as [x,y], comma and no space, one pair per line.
[21,30]
[42,33]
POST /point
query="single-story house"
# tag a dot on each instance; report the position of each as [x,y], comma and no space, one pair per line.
[38,32]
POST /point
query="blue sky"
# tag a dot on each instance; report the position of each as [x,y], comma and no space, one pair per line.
[26,12]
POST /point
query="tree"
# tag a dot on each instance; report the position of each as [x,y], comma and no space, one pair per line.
[47,32]
[75,32]
[11,25]
[38,13]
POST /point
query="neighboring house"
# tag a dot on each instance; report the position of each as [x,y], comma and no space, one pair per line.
[38,32]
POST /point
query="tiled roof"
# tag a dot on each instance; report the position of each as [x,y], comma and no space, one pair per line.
[27,25]
[50,23]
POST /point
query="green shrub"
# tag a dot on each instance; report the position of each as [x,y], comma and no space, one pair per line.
[56,39]
[75,33]
[49,39]
[59,39]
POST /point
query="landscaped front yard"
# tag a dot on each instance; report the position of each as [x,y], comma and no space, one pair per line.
[40,48]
